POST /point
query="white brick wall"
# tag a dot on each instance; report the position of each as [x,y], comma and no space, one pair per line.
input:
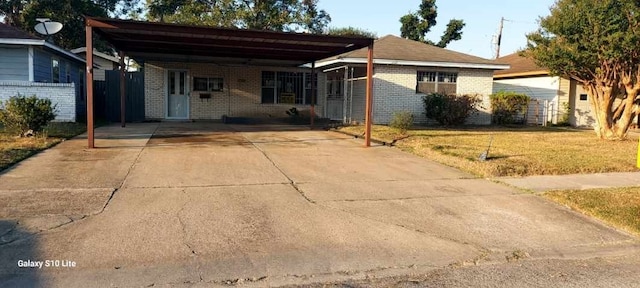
[61,94]
[394,90]
[241,95]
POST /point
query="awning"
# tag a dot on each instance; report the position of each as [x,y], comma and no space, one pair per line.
[149,41]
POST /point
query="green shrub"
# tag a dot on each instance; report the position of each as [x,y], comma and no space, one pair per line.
[509,107]
[402,120]
[20,114]
[564,117]
[450,109]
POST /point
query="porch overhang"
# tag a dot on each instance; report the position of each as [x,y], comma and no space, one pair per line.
[148,41]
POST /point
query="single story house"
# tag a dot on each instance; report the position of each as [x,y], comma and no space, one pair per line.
[29,65]
[102,62]
[404,72]
[562,96]
[249,73]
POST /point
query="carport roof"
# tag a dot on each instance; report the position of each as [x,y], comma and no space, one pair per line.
[149,41]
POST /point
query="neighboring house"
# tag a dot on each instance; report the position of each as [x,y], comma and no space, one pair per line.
[404,72]
[102,62]
[561,95]
[31,66]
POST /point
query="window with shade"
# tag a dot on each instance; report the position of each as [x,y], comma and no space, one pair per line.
[437,82]
[288,88]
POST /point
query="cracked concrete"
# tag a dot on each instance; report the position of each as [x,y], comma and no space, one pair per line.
[211,204]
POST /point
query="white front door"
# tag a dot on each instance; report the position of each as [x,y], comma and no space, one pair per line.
[335,99]
[178,97]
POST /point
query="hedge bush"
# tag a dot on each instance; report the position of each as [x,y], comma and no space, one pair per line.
[402,120]
[450,109]
[20,114]
[509,107]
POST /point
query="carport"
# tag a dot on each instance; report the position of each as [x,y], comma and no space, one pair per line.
[146,41]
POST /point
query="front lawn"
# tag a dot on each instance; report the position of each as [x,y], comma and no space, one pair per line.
[519,151]
[620,207]
[15,149]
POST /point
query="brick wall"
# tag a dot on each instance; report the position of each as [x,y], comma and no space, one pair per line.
[477,81]
[241,95]
[61,94]
[394,90]
[154,91]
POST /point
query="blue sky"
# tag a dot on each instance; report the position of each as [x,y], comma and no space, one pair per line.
[481,18]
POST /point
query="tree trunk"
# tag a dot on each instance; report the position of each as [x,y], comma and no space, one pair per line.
[612,123]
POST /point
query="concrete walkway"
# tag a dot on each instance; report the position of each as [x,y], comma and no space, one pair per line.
[574,182]
[212,204]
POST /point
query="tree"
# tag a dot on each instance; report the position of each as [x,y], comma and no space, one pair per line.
[596,43]
[277,15]
[416,25]
[351,31]
[23,14]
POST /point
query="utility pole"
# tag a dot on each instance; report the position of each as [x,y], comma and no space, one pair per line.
[499,38]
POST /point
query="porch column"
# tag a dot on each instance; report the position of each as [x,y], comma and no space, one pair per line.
[123,89]
[89,58]
[313,92]
[369,102]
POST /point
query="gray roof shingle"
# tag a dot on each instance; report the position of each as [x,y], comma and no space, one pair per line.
[395,48]
[10,32]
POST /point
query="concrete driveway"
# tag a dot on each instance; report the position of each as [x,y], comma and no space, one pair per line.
[213,204]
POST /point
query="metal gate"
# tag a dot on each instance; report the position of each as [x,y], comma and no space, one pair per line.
[134,104]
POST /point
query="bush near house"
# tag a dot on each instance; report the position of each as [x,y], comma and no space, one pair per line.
[450,110]
[509,107]
[402,121]
[20,114]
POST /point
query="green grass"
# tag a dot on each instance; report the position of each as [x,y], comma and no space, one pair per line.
[15,149]
[518,151]
[620,207]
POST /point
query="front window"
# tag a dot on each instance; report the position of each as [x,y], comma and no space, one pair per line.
[288,88]
[207,84]
[55,71]
[437,82]
[67,69]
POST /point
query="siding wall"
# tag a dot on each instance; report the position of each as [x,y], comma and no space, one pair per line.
[14,63]
[549,88]
[241,95]
[61,94]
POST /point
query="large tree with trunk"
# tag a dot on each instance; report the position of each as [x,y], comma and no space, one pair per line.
[596,42]
[415,26]
[277,15]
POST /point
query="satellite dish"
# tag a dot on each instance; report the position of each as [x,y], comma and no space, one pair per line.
[48,27]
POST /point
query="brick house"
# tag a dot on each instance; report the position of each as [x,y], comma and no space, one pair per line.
[404,71]
[31,66]
[262,91]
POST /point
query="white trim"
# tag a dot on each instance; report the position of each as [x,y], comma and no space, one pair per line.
[31,68]
[12,41]
[335,68]
[35,42]
[414,63]
[97,53]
